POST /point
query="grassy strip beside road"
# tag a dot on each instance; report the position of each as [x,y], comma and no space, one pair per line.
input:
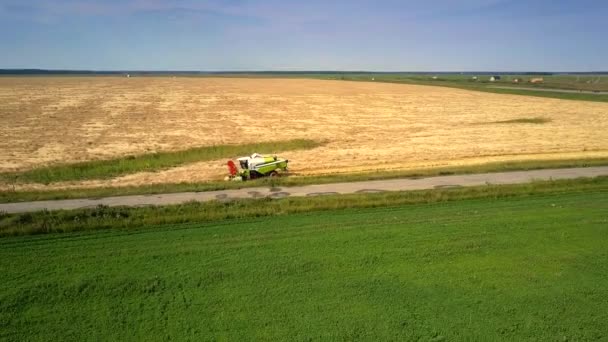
[22,196]
[517,268]
[129,218]
[104,169]
[537,120]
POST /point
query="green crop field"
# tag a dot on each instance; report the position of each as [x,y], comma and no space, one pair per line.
[529,267]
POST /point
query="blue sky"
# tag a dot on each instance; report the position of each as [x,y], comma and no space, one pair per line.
[430,35]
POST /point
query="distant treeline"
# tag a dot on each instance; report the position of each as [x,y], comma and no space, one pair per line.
[169,72]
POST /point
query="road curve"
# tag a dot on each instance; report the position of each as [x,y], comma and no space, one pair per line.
[438,182]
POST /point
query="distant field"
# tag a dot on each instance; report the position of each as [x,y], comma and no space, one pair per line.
[586,87]
[531,267]
[588,82]
[365,126]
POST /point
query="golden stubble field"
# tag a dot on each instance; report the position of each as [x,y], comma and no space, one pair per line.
[367,126]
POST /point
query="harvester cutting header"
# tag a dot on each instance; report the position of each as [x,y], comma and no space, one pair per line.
[256,166]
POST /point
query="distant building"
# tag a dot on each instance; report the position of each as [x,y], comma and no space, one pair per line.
[537,80]
[474,78]
[494,78]
[517,80]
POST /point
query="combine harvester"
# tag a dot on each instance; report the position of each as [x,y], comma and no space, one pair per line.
[256,166]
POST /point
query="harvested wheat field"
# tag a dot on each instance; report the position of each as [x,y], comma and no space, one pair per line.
[367,126]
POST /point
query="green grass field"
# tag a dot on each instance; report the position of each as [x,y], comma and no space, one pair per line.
[104,169]
[531,267]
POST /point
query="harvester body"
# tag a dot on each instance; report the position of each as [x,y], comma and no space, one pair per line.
[257,166]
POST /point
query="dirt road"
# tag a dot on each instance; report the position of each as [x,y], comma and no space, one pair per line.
[314,190]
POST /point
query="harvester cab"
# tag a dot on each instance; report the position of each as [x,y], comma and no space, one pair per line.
[256,166]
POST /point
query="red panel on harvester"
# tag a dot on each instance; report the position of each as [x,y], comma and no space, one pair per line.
[232,168]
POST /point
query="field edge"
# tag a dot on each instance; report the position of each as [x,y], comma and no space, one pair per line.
[78,193]
[104,217]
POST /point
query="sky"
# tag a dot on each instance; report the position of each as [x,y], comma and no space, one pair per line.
[283,35]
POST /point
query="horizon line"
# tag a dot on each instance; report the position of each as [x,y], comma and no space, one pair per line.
[302,71]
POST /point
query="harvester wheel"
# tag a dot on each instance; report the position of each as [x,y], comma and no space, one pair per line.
[273,174]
